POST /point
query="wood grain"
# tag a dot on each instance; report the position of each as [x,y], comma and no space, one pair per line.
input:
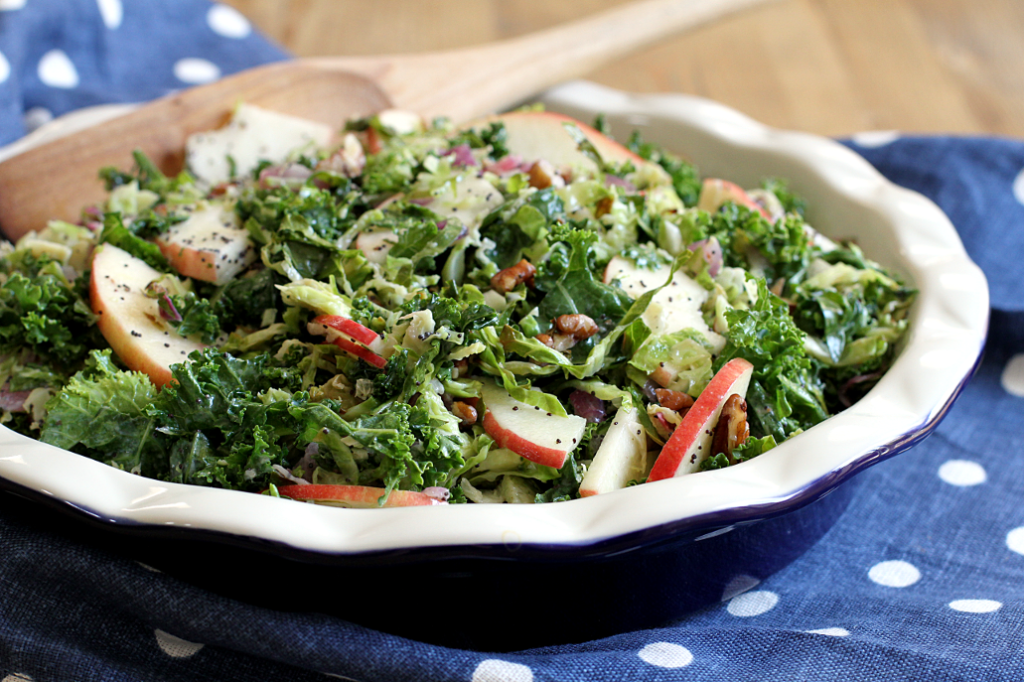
[462,83]
[827,66]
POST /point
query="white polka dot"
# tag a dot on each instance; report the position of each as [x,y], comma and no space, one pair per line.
[112,12]
[196,71]
[1018,187]
[57,71]
[753,603]
[666,655]
[1015,540]
[5,68]
[962,472]
[496,670]
[739,585]
[8,5]
[174,646]
[831,632]
[36,117]
[1013,374]
[894,574]
[875,138]
[228,22]
[975,605]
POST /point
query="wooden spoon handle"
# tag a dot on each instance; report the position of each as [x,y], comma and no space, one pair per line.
[56,179]
[463,84]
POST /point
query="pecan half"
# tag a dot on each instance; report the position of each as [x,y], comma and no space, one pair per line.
[673,400]
[557,342]
[508,279]
[578,326]
[603,207]
[465,412]
[732,428]
[544,175]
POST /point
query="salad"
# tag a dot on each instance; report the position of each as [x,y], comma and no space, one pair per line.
[515,310]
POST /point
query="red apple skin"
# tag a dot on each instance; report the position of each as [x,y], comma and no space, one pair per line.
[701,418]
[129,320]
[360,352]
[373,141]
[210,245]
[359,332]
[526,430]
[504,438]
[357,496]
[714,192]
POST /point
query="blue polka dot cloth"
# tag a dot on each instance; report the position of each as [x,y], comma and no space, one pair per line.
[921,579]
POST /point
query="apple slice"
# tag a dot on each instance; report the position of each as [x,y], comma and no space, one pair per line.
[329,326]
[253,135]
[621,458]
[690,443]
[538,436]
[375,244]
[129,320]
[536,135]
[469,198]
[361,352]
[715,192]
[674,308]
[356,496]
[359,332]
[211,245]
[401,122]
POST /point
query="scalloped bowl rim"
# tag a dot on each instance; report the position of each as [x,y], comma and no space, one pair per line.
[947,336]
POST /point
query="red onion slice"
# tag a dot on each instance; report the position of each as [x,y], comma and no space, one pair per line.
[289,175]
[587,406]
[13,401]
[167,309]
[615,181]
[507,164]
[711,251]
[850,383]
[463,155]
[287,475]
[438,493]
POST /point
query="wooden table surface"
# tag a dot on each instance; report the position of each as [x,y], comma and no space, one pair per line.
[826,66]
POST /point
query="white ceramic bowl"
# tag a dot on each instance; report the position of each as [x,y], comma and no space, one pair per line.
[846,197]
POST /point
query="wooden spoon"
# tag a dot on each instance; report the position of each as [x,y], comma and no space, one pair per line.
[57,179]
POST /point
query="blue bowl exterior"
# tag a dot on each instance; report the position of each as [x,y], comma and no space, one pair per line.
[635,581]
[586,597]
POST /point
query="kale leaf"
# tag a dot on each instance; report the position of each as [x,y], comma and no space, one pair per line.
[244,300]
[494,135]
[685,179]
[146,174]
[114,232]
[198,316]
[785,395]
[791,203]
[519,223]
[578,292]
[102,412]
[44,313]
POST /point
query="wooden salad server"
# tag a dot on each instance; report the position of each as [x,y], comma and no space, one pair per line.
[58,178]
